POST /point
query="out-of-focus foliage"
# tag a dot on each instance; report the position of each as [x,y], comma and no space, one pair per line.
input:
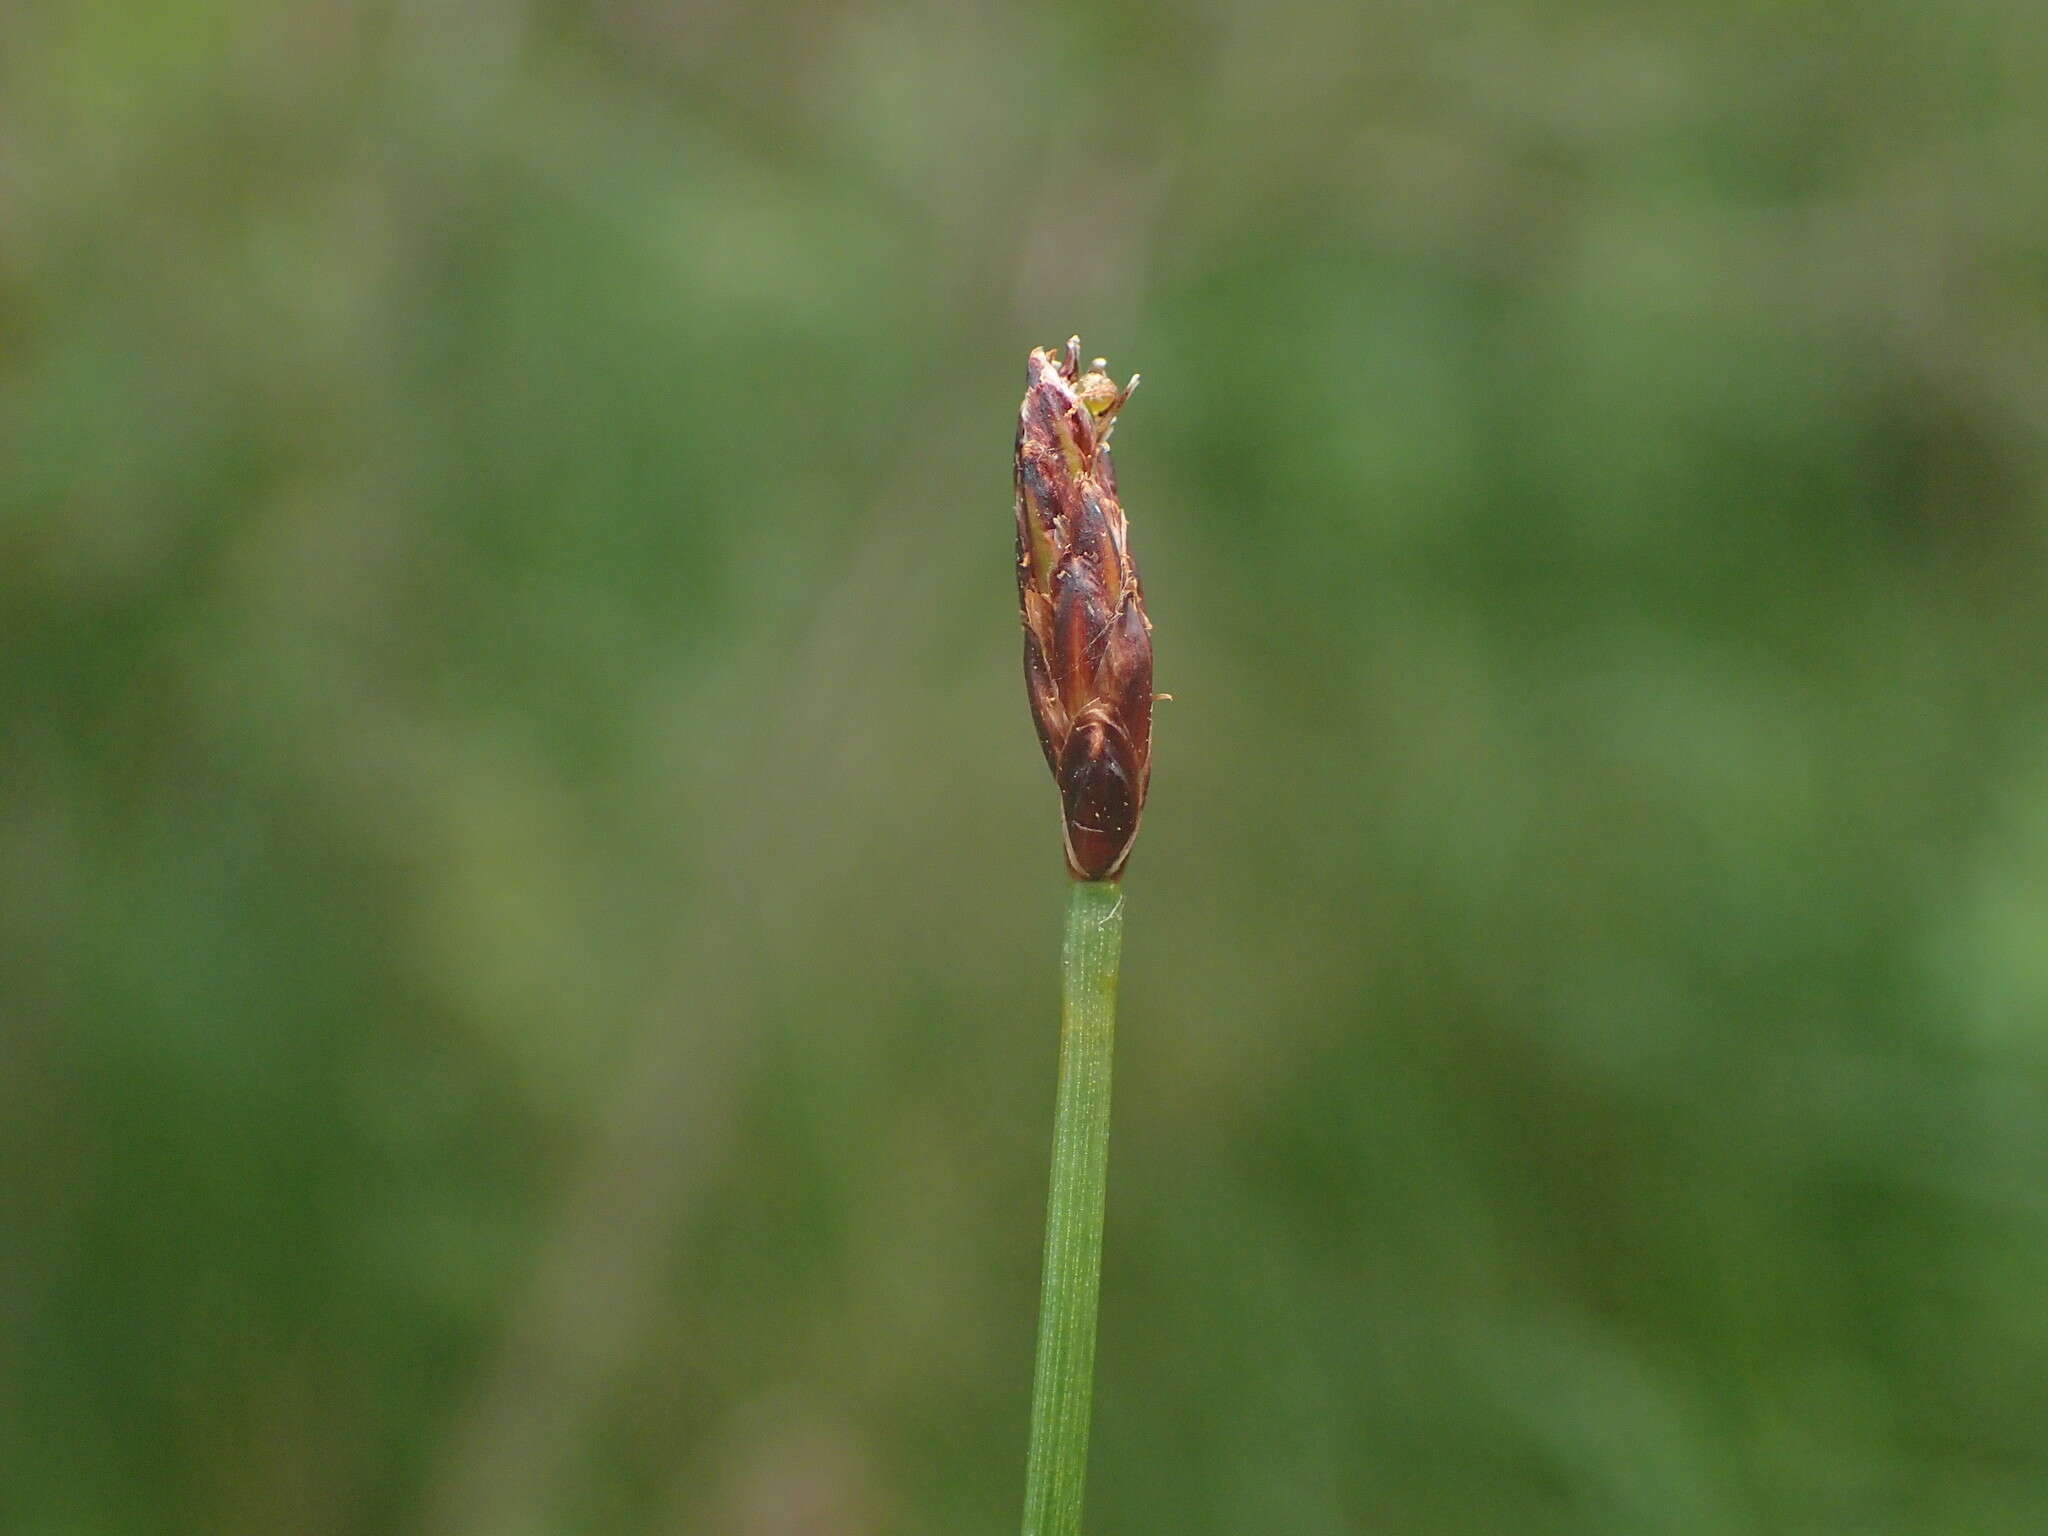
[528,899]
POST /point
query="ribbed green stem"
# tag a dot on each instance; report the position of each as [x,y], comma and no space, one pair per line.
[1058,1463]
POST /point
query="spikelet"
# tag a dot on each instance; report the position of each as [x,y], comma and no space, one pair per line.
[1087,642]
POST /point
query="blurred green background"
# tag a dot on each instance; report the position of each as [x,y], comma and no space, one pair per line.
[529,900]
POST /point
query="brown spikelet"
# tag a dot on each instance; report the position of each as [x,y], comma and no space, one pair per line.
[1087,642]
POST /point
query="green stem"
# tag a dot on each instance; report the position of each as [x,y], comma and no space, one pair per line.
[1058,1462]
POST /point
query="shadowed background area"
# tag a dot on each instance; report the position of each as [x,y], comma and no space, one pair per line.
[528,896]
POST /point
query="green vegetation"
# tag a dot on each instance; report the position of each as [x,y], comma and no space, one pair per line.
[520,1005]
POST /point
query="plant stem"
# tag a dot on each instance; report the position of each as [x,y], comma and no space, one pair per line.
[1058,1463]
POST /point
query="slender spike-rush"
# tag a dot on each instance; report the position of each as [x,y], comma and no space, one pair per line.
[1087,642]
[1088,671]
